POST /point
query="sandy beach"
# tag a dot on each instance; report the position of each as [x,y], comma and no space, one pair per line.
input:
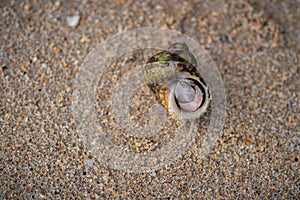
[255,47]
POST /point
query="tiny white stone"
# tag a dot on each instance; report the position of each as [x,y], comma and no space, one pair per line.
[57,3]
[141,18]
[34,59]
[89,162]
[73,20]
[153,174]
[42,195]
[44,65]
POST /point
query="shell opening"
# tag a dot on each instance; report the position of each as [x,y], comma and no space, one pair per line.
[188,95]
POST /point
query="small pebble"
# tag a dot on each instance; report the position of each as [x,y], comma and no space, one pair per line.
[73,20]
[27,7]
[153,174]
[34,59]
[57,3]
[56,50]
[44,65]
[224,38]
[89,162]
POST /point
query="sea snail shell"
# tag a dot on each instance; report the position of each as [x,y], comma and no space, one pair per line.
[173,77]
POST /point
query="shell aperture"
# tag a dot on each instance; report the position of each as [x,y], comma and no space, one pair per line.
[173,77]
[188,96]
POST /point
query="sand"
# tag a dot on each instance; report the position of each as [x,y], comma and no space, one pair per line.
[255,46]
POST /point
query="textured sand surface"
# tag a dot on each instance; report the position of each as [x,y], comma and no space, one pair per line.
[255,45]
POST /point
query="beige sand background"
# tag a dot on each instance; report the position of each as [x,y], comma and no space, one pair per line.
[255,45]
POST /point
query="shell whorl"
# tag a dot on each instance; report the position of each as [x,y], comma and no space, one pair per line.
[175,81]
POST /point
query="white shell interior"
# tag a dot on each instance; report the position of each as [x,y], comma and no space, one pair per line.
[188,110]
